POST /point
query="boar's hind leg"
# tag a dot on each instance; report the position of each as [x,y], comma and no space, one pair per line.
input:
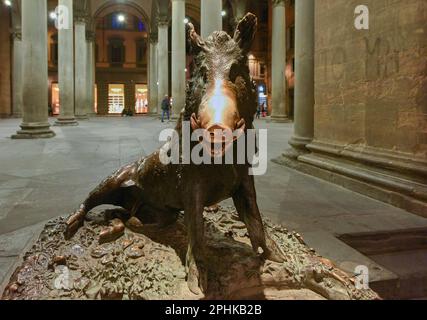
[247,208]
[112,190]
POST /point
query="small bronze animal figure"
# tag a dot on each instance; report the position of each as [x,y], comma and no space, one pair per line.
[220,96]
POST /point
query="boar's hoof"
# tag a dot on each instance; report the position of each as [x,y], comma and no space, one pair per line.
[135,225]
[113,232]
[73,224]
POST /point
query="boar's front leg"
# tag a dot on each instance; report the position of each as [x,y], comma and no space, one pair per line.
[193,212]
[118,189]
[247,208]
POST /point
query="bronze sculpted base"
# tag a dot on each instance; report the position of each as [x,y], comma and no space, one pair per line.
[152,265]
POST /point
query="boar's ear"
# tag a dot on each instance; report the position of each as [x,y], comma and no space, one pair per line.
[195,43]
[245,32]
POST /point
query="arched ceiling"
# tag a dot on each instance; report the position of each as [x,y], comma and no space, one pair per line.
[137,8]
[147,10]
[139,5]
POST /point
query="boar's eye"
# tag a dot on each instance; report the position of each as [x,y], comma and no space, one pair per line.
[234,72]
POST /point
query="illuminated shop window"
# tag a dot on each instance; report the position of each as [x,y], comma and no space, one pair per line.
[116,98]
[141,98]
[95,102]
[55,99]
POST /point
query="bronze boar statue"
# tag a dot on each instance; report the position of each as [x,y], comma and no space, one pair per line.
[220,95]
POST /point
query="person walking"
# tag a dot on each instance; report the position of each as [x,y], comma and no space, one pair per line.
[258,112]
[264,110]
[166,106]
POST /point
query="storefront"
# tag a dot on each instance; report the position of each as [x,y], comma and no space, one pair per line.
[116,98]
[116,95]
[141,99]
[54,105]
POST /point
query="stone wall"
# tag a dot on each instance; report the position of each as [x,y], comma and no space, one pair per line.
[5,66]
[371,85]
[370,117]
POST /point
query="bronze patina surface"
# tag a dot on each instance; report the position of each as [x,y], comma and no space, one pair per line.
[152,265]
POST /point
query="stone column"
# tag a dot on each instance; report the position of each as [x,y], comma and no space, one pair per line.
[17,73]
[90,77]
[80,86]
[178,57]
[163,60]
[278,70]
[211,18]
[152,79]
[66,68]
[35,72]
[304,76]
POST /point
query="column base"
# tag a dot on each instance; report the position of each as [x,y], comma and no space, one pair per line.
[66,122]
[385,176]
[299,147]
[34,131]
[16,115]
[82,117]
[290,153]
[279,119]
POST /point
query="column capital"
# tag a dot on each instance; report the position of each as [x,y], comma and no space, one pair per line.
[153,37]
[280,2]
[80,17]
[163,21]
[90,36]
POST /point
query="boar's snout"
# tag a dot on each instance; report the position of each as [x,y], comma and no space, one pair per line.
[219,117]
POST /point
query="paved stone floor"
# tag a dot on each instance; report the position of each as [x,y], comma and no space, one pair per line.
[42,179]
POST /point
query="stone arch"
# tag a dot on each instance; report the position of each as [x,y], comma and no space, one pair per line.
[104,8]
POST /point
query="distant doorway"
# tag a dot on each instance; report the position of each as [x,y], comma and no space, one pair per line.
[116,98]
[95,99]
[141,99]
[55,104]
